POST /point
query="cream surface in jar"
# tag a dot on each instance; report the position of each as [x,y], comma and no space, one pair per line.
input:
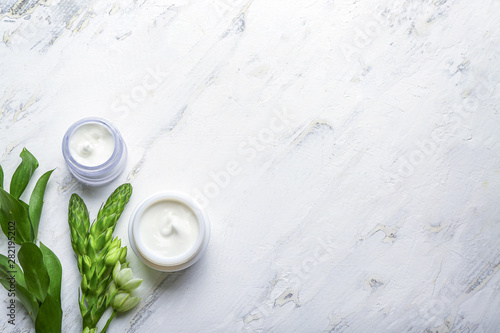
[168,229]
[91,144]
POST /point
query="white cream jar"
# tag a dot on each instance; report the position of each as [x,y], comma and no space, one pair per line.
[94,151]
[169,231]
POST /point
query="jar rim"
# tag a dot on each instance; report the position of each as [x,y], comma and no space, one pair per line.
[105,172]
[176,262]
[89,120]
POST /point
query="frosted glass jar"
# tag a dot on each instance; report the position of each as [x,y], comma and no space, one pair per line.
[94,151]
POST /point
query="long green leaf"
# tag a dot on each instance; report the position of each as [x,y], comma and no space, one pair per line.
[1,177]
[23,173]
[35,273]
[27,299]
[49,319]
[54,269]
[8,267]
[15,211]
[36,202]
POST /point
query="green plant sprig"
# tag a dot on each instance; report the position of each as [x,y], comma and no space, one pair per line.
[37,281]
[97,254]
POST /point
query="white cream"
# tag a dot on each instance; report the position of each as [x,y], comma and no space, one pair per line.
[91,144]
[168,229]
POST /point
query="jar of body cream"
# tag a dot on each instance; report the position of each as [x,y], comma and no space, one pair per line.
[169,231]
[94,151]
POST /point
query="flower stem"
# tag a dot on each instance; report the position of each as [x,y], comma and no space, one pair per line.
[108,322]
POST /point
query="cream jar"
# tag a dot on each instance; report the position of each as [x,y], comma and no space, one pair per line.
[169,231]
[94,151]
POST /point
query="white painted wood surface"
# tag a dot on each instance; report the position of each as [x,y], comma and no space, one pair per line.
[362,139]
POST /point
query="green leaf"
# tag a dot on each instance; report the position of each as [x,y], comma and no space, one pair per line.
[8,268]
[27,299]
[1,177]
[54,269]
[24,204]
[13,210]
[23,173]
[35,273]
[49,317]
[36,202]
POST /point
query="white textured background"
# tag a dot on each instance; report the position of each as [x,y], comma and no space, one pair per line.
[365,135]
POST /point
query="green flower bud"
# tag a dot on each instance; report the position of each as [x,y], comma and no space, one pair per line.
[74,234]
[96,228]
[73,245]
[123,302]
[123,254]
[101,287]
[107,246]
[110,220]
[124,276]
[80,264]
[101,241]
[131,284]
[112,257]
[87,266]
[80,246]
[92,253]
[110,293]
[116,270]
[105,239]
[116,243]
[83,285]
[93,282]
[111,289]
[91,243]
[119,299]
[102,271]
[100,301]
[109,234]
[81,304]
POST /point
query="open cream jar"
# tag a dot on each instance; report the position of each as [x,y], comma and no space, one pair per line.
[169,231]
[94,151]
